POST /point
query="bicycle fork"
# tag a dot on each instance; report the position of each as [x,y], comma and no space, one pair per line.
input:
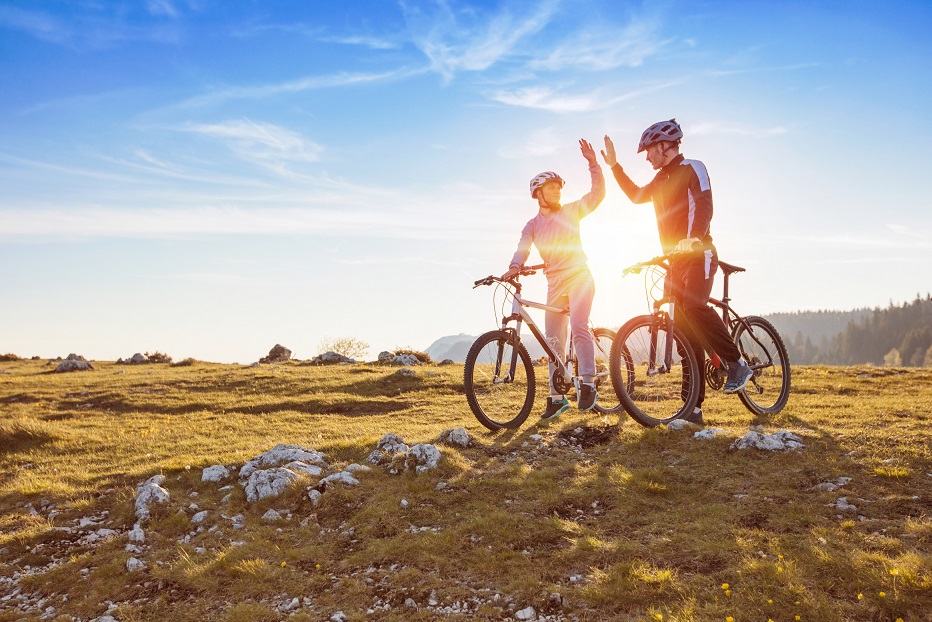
[664,322]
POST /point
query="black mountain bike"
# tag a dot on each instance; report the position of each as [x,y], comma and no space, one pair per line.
[499,375]
[652,364]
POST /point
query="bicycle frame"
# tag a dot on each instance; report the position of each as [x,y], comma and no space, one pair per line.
[520,314]
[730,317]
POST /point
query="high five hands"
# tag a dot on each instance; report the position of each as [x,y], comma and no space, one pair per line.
[608,154]
[587,151]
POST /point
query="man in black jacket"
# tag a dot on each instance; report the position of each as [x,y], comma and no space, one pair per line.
[682,198]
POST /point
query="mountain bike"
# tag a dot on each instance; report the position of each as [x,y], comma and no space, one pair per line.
[499,375]
[652,364]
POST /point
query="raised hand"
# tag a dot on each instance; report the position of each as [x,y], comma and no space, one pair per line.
[587,151]
[608,154]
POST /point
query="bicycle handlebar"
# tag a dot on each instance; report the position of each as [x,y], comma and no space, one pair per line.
[522,271]
[659,260]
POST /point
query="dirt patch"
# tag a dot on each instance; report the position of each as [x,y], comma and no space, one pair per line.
[587,436]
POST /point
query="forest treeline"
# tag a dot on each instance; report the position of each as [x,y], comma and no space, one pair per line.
[895,336]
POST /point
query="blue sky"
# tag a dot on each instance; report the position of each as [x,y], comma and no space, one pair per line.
[210,178]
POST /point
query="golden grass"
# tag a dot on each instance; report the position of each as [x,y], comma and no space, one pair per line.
[635,524]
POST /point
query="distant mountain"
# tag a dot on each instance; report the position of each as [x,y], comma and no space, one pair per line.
[456,347]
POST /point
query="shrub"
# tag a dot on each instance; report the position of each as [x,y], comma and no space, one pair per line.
[423,357]
[349,347]
[188,362]
[158,357]
[8,357]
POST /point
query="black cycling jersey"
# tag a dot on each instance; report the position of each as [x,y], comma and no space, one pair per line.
[682,197]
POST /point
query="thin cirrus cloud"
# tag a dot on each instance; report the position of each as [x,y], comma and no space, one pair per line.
[88,30]
[554,100]
[712,128]
[601,50]
[469,42]
[261,142]
[308,83]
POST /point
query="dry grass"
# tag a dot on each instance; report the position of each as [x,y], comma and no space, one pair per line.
[624,523]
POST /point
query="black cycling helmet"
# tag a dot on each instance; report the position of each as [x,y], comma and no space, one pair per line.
[662,130]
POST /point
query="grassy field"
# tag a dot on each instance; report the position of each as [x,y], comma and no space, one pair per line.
[598,519]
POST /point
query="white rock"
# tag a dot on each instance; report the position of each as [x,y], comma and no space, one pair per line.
[406,372]
[282,454]
[679,424]
[404,359]
[404,503]
[338,616]
[375,457]
[528,613]
[827,487]
[842,504]
[199,517]
[269,483]
[216,473]
[150,492]
[272,516]
[303,467]
[352,468]
[391,443]
[709,433]
[343,477]
[290,605]
[422,457]
[410,604]
[778,441]
[133,564]
[314,495]
[456,436]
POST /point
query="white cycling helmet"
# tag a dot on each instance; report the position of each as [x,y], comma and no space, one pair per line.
[542,178]
[663,130]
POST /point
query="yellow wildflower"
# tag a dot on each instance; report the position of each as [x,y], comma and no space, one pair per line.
[882,594]
[729,619]
[860,596]
[283,564]
[724,586]
[727,592]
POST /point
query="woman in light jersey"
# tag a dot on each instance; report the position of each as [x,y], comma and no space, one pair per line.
[555,233]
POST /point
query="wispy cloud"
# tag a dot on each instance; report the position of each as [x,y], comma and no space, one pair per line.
[261,142]
[469,40]
[716,128]
[308,83]
[731,72]
[92,28]
[559,100]
[541,143]
[600,49]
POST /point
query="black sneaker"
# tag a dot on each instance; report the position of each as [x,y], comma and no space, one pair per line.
[695,416]
[555,408]
[586,397]
[738,377]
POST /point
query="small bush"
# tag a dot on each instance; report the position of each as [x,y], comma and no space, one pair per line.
[349,347]
[423,357]
[158,357]
[188,362]
[8,357]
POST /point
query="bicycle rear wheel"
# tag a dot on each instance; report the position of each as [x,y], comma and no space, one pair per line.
[762,348]
[608,401]
[497,400]
[649,392]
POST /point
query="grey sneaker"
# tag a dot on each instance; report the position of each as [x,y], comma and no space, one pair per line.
[586,397]
[555,408]
[695,416]
[738,377]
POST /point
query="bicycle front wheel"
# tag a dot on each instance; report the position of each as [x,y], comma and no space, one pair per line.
[608,402]
[763,350]
[651,391]
[497,398]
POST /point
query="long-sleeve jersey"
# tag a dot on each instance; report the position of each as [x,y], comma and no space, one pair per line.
[556,235]
[682,197]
